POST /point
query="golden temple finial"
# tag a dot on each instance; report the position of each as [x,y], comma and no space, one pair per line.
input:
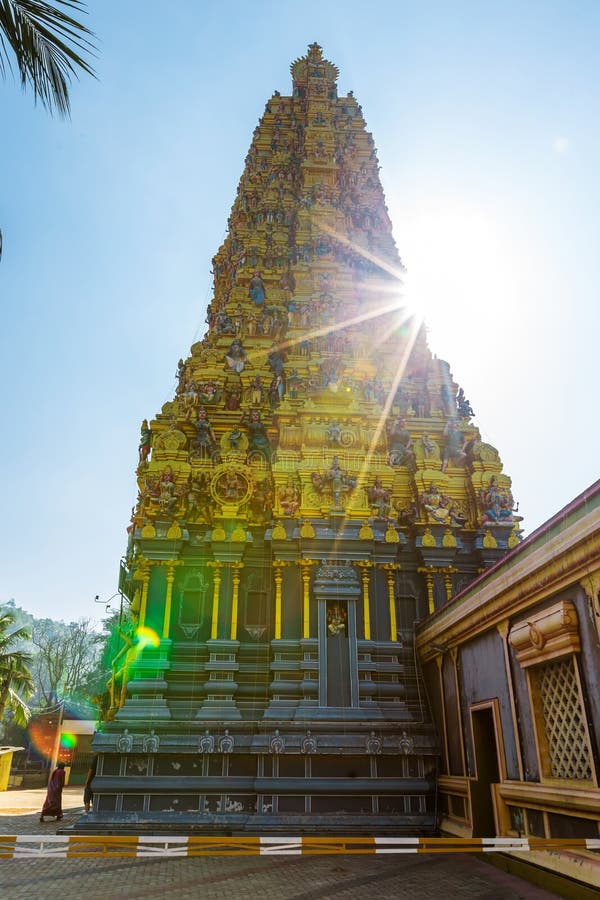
[313,66]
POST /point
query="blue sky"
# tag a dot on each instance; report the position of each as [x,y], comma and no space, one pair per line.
[486,119]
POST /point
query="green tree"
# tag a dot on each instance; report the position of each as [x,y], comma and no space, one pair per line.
[16,681]
[48,46]
[63,658]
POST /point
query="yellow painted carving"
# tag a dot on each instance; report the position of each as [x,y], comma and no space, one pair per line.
[428,539]
[365,573]
[513,540]
[169,596]
[305,567]
[174,532]
[448,573]
[143,575]
[391,535]
[279,533]
[489,541]
[391,569]
[238,535]
[307,530]
[548,634]
[448,539]
[217,566]
[429,572]
[278,567]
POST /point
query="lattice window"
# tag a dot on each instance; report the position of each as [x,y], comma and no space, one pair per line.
[564,720]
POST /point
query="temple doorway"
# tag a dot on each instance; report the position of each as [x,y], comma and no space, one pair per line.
[487,770]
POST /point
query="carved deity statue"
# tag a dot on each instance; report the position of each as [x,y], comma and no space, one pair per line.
[336,620]
[257,436]
[453,446]
[168,494]
[256,291]
[435,504]
[145,442]
[498,505]
[236,356]
[379,499]
[464,408]
[289,498]
[400,444]
[204,442]
[334,433]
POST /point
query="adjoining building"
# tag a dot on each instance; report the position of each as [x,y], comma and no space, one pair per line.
[314,489]
[512,666]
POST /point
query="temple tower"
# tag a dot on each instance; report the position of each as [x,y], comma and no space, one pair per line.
[313,490]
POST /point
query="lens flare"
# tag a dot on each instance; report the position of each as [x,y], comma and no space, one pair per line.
[145,637]
[68,740]
[42,735]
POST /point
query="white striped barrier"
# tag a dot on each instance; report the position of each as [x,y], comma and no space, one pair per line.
[58,846]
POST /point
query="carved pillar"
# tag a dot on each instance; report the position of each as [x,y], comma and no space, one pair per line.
[217,566]
[278,567]
[365,566]
[503,628]
[448,572]
[429,572]
[123,693]
[170,564]
[391,569]
[235,595]
[143,575]
[305,567]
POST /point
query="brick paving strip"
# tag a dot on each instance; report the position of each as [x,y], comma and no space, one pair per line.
[271,877]
[419,878]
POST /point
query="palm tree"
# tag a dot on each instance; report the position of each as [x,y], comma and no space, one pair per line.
[47,45]
[16,681]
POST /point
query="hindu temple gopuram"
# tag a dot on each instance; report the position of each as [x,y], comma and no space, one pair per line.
[314,489]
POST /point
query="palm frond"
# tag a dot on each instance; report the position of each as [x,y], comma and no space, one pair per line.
[14,672]
[49,46]
[11,638]
[21,711]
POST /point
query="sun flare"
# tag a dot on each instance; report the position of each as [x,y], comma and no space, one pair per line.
[458,269]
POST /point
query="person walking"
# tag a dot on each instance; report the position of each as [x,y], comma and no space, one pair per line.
[53,802]
[88,794]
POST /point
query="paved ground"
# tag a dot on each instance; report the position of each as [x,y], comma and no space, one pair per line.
[418,877]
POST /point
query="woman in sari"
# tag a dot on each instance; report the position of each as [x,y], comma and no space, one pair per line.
[53,802]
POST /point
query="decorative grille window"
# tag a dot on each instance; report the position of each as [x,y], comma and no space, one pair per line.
[563,719]
[547,645]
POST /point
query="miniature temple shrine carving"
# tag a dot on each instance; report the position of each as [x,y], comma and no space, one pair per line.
[315,487]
